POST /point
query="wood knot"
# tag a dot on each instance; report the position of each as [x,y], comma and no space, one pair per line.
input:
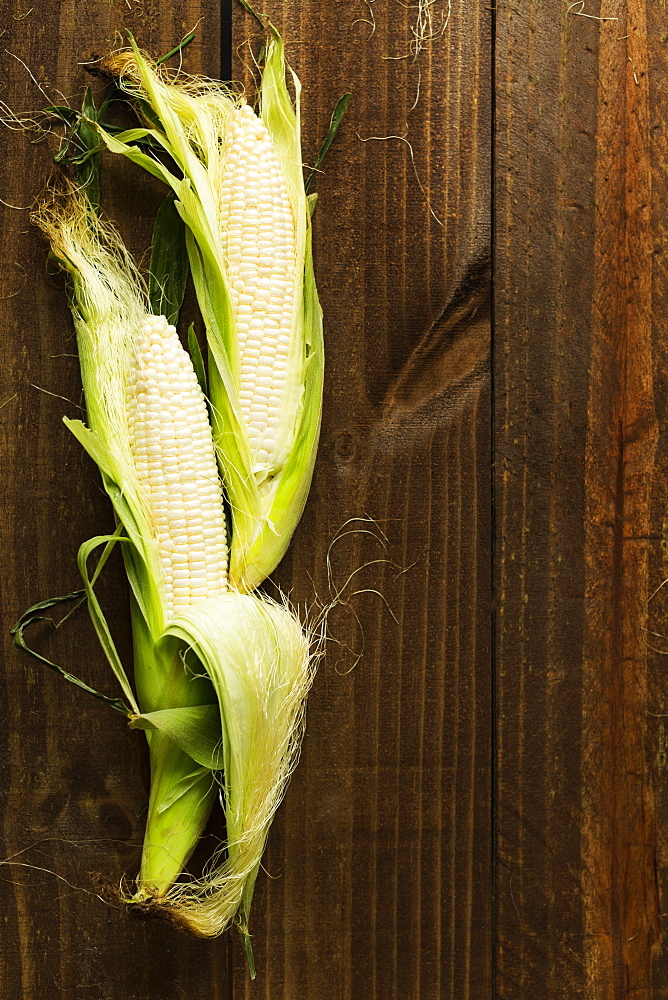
[453,352]
[345,447]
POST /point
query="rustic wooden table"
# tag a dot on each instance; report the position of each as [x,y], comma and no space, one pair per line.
[480,808]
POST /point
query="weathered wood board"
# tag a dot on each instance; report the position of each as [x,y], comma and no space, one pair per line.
[479,809]
[580,487]
[379,865]
[382,848]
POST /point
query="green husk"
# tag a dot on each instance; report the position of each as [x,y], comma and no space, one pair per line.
[34,616]
[168,275]
[261,683]
[188,119]
[109,302]
[219,689]
[335,121]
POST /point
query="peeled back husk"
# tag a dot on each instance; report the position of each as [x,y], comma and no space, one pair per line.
[189,119]
[257,656]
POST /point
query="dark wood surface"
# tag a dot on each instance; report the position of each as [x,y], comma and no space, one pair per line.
[580,487]
[73,778]
[382,848]
[480,806]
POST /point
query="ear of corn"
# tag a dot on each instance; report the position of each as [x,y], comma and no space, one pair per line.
[110,311]
[172,450]
[242,197]
[220,677]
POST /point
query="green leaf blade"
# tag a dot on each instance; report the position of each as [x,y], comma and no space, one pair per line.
[169,262]
[195,352]
[335,121]
[33,617]
[196,729]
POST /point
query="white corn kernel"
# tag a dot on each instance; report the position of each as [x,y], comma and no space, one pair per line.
[258,232]
[176,464]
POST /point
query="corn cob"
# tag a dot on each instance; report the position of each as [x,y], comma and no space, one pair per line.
[239,188]
[171,443]
[220,674]
[259,247]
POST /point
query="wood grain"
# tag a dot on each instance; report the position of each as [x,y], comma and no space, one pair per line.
[379,865]
[480,808]
[74,780]
[379,859]
[580,488]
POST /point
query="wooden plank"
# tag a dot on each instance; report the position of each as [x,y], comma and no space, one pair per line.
[74,780]
[580,485]
[379,859]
